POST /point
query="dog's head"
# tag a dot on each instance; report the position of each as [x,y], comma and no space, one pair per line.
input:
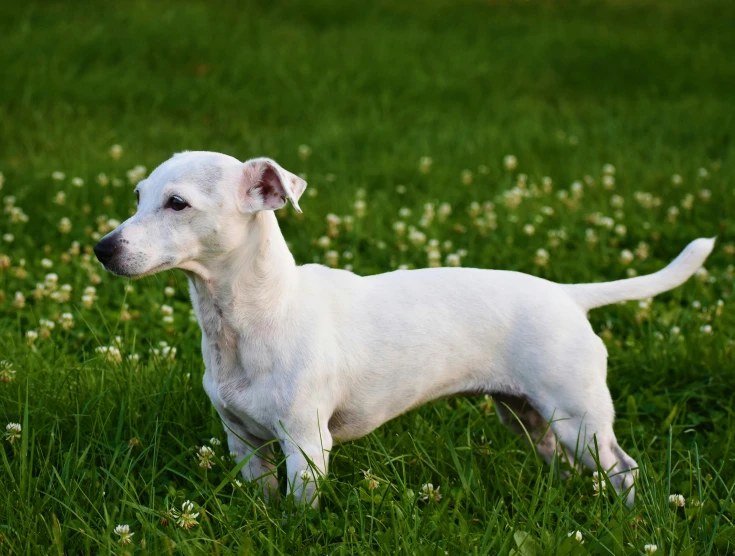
[194,208]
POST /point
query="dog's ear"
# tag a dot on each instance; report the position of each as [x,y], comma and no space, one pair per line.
[266,186]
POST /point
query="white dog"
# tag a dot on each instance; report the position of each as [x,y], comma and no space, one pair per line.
[309,356]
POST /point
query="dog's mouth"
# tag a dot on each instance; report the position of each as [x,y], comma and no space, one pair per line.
[121,270]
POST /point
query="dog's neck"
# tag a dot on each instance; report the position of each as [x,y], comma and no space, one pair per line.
[249,289]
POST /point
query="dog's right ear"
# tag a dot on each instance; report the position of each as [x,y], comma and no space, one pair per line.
[266,186]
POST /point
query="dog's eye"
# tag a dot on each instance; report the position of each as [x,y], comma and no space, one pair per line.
[177,203]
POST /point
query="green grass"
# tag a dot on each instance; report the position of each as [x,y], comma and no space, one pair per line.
[371,87]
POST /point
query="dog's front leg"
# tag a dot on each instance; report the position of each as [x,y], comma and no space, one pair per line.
[260,466]
[307,460]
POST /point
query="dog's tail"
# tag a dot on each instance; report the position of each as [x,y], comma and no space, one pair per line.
[589,296]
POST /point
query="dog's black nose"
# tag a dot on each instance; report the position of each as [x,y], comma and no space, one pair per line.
[105,249]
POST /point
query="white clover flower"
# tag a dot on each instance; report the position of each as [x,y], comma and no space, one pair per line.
[12,432]
[360,207]
[608,170]
[333,222]
[616,201]
[672,214]
[626,257]
[50,280]
[703,173]
[305,475]
[577,189]
[598,484]
[577,536]
[47,263]
[31,337]
[116,151]
[16,214]
[590,236]
[608,182]
[705,195]
[687,202]
[324,242]
[642,251]
[8,238]
[429,493]
[39,291]
[606,222]
[435,258]
[701,274]
[65,225]
[677,500]
[214,441]
[541,258]
[205,456]
[166,352]
[372,482]
[425,164]
[676,179]
[7,372]
[650,549]
[110,354]
[331,258]
[706,329]
[474,209]
[123,531]
[136,174]
[77,182]
[399,227]
[453,259]
[529,229]
[445,209]
[416,237]
[66,321]
[167,310]
[466,177]
[58,176]
[60,198]
[675,331]
[186,519]
[304,152]
[510,162]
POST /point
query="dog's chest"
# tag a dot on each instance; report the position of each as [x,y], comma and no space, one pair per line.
[233,379]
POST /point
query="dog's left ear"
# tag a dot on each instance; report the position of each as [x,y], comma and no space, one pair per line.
[266,186]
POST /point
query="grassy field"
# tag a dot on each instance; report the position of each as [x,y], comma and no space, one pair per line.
[620,119]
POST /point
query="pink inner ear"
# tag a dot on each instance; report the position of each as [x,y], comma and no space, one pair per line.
[263,187]
[270,186]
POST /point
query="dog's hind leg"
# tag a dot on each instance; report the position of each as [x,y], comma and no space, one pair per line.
[584,425]
[518,415]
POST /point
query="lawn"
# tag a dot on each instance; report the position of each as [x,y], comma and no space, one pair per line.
[577,141]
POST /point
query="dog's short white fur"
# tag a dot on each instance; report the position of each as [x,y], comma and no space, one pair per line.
[310,356]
